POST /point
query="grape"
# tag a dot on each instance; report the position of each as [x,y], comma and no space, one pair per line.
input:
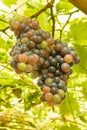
[46,64]
[43,45]
[36,58]
[52,69]
[21,66]
[36,51]
[29,68]
[24,48]
[57,79]
[16,25]
[18,71]
[68,58]
[64,51]
[31,60]
[31,44]
[53,84]
[65,67]
[24,40]
[23,58]
[43,53]
[13,63]
[53,53]
[50,103]
[44,71]
[46,89]
[77,60]
[16,58]
[58,73]
[42,98]
[35,24]
[54,90]
[50,41]
[48,97]
[15,52]
[41,61]
[45,35]
[56,98]
[48,50]
[40,83]
[60,85]
[27,21]
[58,47]
[61,93]
[29,34]
[48,81]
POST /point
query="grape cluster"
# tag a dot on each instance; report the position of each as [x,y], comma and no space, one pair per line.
[55,72]
[32,48]
[36,50]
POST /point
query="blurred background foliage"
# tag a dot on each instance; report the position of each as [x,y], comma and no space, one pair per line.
[20,106]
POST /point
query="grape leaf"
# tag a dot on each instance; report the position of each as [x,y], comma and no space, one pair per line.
[9,2]
[82,52]
[78,31]
[69,104]
[64,7]
[71,127]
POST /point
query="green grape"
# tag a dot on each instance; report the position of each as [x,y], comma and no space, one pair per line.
[56,98]
[43,45]
[61,93]
[48,81]
[21,66]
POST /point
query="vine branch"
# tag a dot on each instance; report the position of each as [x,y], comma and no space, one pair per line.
[53,21]
[70,14]
[48,5]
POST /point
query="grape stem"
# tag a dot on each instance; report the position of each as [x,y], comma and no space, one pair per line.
[48,5]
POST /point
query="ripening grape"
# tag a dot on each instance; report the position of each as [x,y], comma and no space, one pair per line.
[50,41]
[29,68]
[65,67]
[16,25]
[46,89]
[23,58]
[48,97]
[31,59]
[68,58]
[50,103]
[35,24]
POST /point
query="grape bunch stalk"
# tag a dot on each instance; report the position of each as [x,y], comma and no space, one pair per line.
[36,50]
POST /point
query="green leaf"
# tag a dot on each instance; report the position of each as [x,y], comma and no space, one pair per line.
[82,52]
[69,104]
[78,31]
[71,127]
[44,22]
[64,7]
[9,2]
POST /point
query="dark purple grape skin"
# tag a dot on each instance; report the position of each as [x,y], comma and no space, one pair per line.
[64,51]
[51,69]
